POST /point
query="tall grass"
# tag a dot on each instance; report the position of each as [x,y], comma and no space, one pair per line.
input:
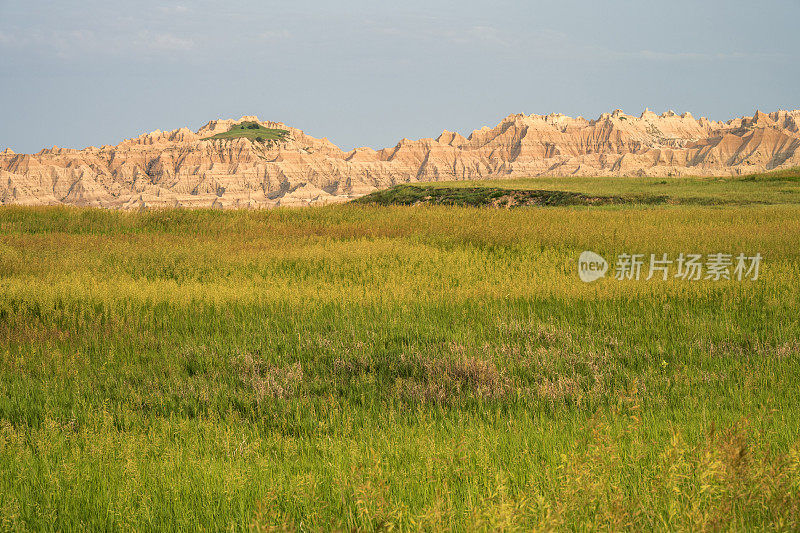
[353,367]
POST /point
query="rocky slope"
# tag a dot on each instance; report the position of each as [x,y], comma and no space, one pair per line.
[179,169]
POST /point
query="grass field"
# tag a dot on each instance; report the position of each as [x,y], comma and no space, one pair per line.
[359,367]
[781,187]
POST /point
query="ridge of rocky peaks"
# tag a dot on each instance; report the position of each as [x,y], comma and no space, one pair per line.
[178,168]
[451,138]
[648,115]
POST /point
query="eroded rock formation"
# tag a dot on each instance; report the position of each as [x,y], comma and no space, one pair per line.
[179,169]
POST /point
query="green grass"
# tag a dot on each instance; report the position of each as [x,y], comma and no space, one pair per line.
[498,197]
[253,131]
[781,187]
[358,367]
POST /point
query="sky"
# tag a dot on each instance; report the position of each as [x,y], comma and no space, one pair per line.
[368,73]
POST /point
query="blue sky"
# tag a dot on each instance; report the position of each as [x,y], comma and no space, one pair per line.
[367,73]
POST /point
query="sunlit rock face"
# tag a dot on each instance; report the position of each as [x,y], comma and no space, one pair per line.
[181,168]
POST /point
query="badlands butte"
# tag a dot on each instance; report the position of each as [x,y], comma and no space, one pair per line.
[183,168]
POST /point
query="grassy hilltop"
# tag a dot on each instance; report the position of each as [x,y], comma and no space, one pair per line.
[253,131]
[398,367]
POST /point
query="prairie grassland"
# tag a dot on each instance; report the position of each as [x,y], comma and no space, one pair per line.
[780,187]
[357,367]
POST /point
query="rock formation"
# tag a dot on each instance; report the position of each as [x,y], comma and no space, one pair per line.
[180,169]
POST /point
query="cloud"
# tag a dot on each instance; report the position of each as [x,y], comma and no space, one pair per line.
[477,34]
[705,56]
[69,42]
[275,35]
[167,42]
[543,41]
[433,28]
[83,43]
[61,43]
[175,9]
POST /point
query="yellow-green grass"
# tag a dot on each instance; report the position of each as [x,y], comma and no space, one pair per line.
[360,367]
[779,187]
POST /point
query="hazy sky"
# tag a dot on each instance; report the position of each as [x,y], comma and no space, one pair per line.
[371,72]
